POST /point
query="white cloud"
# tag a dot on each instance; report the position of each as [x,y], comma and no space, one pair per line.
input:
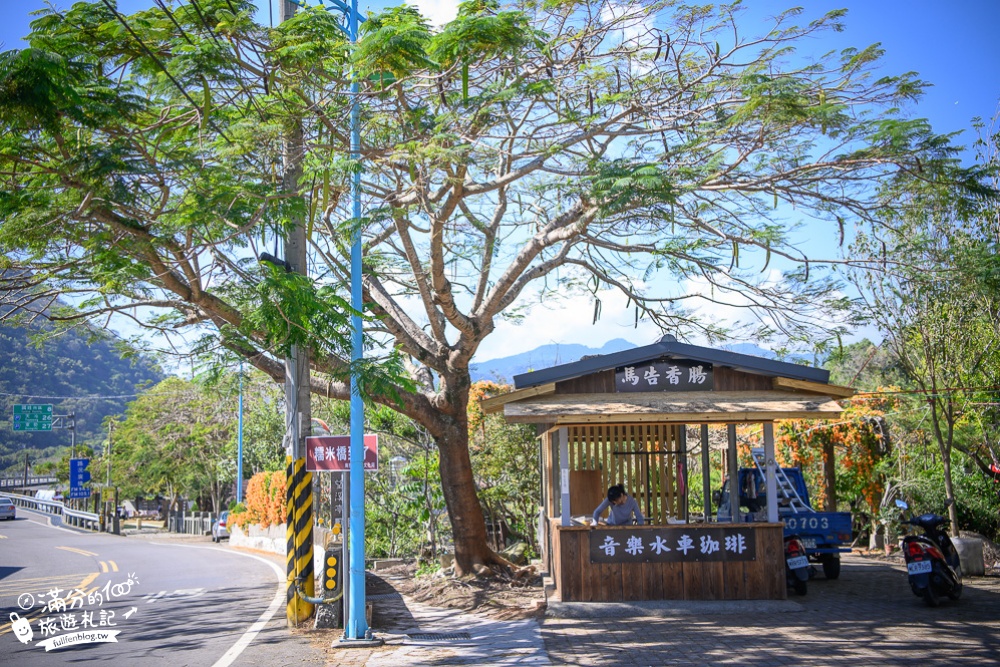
[632,28]
[567,321]
[438,12]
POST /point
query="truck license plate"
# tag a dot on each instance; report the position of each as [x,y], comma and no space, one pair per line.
[797,562]
[808,542]
[919,567]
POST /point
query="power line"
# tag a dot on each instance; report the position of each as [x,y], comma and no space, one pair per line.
[92,397]
[937,393]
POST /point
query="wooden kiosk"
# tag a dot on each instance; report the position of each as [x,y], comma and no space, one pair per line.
[625,417]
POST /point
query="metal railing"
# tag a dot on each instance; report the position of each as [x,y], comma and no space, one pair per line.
[20,482]
[77,518]
[191,523]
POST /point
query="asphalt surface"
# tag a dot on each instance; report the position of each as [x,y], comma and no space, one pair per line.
[175,602]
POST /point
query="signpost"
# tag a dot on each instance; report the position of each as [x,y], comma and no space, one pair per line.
[32,417]
[78,476]
[332,453]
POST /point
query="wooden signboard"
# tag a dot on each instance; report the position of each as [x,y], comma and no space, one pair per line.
[665,375]
[693,545]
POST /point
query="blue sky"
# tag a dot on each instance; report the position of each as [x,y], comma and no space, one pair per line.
[952,45]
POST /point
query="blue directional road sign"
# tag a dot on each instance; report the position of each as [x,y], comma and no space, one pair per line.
[78,476]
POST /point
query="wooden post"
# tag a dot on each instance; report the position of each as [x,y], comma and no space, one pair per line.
[682,476]
[771,479]
[564,476]
[706,477]
[734,476]
[830,478]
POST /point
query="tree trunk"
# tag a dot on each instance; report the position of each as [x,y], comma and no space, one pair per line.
[464,509]
[945,440]
[949,491]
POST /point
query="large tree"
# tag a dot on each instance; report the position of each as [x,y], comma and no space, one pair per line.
[176,440]
[929,277]
[532,149]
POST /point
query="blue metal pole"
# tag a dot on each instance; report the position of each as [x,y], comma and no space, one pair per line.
[239,444]
[357,625]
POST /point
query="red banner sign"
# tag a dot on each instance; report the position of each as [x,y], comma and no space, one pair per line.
[332,453]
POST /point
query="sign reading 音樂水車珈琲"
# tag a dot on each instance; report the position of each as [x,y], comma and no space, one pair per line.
[688,545]
[32,417]
[665,375]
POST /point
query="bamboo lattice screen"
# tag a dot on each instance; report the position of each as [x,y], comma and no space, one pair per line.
[642,456]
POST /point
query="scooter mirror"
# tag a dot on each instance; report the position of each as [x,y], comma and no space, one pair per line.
[901,504]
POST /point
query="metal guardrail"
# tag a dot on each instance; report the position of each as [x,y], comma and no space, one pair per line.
[20,482]
[194,523]
[76,518]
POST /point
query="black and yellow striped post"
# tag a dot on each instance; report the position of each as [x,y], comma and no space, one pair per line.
[299,503]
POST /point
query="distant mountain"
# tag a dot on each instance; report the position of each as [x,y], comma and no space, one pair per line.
[753,350]
[505,368]
[78,374]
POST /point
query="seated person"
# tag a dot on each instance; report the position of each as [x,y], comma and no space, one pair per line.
[623,507]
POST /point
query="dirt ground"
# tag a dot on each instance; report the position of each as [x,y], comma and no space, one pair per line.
[500,597]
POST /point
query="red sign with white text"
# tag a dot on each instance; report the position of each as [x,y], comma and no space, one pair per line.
[332,453]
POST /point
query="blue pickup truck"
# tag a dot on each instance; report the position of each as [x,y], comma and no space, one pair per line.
[825,535]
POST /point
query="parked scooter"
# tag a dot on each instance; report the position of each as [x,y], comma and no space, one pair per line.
[797,568]
[932,561]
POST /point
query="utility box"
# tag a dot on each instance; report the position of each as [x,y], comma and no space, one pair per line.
[331,615]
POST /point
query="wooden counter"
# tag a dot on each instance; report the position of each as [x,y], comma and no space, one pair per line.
[644,573]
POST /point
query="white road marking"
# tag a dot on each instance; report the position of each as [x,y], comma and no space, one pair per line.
[277,603]
[48,522]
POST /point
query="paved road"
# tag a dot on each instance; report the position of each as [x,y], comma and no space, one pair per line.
[189,602]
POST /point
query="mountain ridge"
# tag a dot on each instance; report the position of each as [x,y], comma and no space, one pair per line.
[503,369]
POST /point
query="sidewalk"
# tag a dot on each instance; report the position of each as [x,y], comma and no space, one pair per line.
[418,634]
[867,617]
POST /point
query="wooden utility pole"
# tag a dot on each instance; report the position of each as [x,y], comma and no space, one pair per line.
[298,415]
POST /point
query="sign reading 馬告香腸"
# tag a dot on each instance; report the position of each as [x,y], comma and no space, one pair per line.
[664,375]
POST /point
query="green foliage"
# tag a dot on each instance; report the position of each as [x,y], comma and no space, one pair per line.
[393,42]
[505,463]
[480,32]
[405,512]
[177,441]
[79,371]
[976,496]
[170,156]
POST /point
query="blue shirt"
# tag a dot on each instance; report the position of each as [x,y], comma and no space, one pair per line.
[620,515]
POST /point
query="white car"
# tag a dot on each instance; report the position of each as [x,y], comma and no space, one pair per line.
[219,530]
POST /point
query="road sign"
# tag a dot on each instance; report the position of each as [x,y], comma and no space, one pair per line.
[32,417]
[332,453]
[78,476]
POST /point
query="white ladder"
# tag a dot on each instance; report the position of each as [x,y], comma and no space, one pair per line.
[785,487]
